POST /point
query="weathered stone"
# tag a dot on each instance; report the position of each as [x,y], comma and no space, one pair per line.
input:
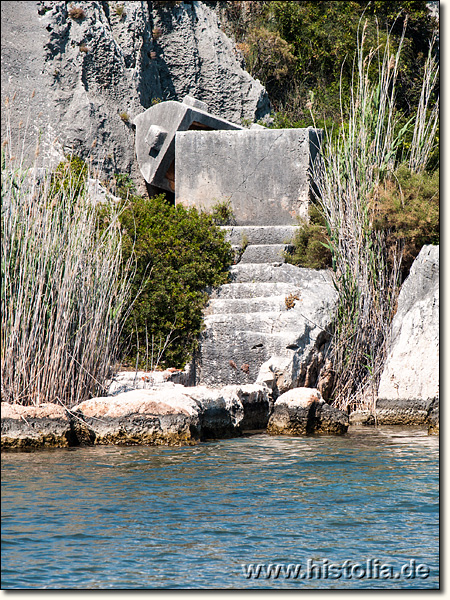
[433,417]
[404,411]
[300,398]
[172,414]
[125,381]
[268,253]
[156,130]
[361,417]
[84,80]
[154,417]
[196,58]
[263,173]
[46,425]
[410,379]
[268,312]
[231,410]
[302,411]
[280,374]
[259,234]
[412,366]
[330,420]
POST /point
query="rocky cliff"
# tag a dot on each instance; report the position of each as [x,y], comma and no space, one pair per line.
[80,72]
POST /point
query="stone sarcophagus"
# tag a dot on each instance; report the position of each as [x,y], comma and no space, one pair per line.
[156,130]
[264,174]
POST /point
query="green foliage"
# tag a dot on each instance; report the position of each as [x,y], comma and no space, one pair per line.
[311,242]
[222,213]
[407,208]
[124,185]
[178,252]
[296,47]
[268,56]
[119,9]
[69,177]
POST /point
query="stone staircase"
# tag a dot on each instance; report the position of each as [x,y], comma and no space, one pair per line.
[270,309]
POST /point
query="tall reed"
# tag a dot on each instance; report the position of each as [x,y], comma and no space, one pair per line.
[63,291]
[353,163]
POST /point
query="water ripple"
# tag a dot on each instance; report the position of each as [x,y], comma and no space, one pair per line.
[187,518]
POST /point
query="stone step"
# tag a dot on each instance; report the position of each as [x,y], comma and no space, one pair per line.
[260,235]
[236,357]
[246,305]
[248,322]
[262,322]
[237,291]
[265,253]
[278,273]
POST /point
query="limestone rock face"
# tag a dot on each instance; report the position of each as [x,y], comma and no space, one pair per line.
[198,59]
[410,380]
[35,426]
[302,411]
[84,76]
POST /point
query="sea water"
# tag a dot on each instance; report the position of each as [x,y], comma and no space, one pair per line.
[258,512]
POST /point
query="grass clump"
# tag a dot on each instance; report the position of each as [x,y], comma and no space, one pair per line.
[222,213]
[76,13]
[311,242]
[64,287]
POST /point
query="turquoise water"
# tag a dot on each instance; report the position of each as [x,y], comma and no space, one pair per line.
[189,518]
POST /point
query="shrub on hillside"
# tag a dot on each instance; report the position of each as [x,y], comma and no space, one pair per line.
[178,252]
[407,208]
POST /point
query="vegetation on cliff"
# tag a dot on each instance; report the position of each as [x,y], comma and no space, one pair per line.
[178,252]
[303,51]
[377,199]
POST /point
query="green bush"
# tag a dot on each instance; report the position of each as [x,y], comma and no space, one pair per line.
[299,46]
[69,177]
[310,242]
[407,208]
[222,213]
[178,253]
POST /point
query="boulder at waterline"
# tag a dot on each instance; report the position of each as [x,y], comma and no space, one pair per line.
[433,417]
[172,414]
[301,411]
[409,383]
[155,417]
[35,426]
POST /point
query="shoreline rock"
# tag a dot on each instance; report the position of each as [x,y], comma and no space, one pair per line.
[409,387]
[27,427]
[302,411]
[169,414]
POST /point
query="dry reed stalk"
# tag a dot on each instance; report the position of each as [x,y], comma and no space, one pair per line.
[64,291]
[347,174]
